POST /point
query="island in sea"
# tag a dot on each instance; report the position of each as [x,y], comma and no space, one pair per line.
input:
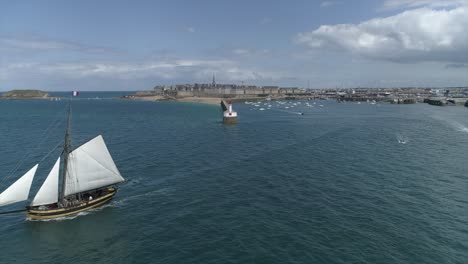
[25,94]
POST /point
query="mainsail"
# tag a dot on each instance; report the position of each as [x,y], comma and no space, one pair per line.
[19,190]
[48,193]
[90,167]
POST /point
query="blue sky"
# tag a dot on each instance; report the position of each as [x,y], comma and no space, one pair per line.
[134,45]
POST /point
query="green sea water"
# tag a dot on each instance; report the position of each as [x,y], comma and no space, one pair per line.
[343,183]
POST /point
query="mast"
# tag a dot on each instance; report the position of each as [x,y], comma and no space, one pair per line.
[66,152]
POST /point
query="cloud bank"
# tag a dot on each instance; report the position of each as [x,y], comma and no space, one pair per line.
[423,34]
[159,71]
[396,4]
[44,44]
[328,3]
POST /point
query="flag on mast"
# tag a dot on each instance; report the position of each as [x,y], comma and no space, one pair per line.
[76,93]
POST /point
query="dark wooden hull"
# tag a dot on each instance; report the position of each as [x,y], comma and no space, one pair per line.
[35,214]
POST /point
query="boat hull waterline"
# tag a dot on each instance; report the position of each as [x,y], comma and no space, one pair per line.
[70,211]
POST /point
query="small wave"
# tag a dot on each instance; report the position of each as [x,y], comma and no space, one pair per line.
[123,201]
[402,139]
[458,126]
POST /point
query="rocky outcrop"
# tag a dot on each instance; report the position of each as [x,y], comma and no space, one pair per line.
[24,94]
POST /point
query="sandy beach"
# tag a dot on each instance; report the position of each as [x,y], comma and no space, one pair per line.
[202,100]
[194,99]
[149,98]
[217,100]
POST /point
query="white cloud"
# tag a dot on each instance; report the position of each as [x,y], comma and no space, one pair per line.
[192,70]
[241,51]
[394,4]
[190,29]
[416,35]
[234,74]
[250,52]
[46,44]
[120,70]
[457,65]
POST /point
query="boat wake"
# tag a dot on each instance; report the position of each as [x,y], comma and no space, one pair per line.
[402,139]
[124,201]
[459,127]
[454,124]
[288,111]
[291,112]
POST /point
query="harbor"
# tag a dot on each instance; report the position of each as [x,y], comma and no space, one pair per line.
[213,93]
[280,168]
[237,132]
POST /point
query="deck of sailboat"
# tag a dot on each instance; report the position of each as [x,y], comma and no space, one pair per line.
[68,211]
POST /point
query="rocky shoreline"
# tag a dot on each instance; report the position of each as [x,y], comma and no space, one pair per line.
[196,99]
[25,94]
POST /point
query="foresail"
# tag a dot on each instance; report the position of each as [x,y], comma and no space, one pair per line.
[48,193]
[90,167]
[19,190]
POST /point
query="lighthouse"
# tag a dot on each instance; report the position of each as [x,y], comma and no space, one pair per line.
[229,116]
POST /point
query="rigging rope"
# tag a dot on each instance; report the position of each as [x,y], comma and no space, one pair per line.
[55,123]
[50,152]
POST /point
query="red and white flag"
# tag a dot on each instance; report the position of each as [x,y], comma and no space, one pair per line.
[76,93]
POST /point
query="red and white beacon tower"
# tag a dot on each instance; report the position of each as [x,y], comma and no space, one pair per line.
[229,116]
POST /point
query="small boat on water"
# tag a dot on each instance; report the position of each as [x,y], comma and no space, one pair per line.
[88,180]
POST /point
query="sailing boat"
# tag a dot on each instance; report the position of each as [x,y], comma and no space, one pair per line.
[88,180]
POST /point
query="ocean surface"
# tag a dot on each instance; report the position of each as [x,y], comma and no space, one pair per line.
[343,183]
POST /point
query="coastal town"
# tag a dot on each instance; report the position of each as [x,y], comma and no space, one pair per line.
[213,92]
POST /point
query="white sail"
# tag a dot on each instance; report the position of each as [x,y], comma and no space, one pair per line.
[48,193]
[90,167]
[19,190]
